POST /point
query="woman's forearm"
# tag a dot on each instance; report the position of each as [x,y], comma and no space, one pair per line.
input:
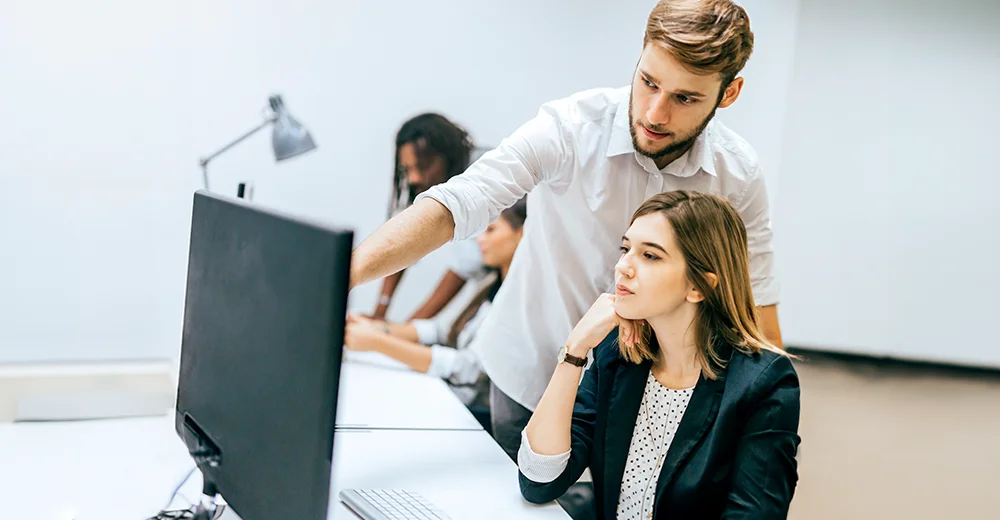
[404,331]
[549,428]
[389,284]
[446,290]
[413,355]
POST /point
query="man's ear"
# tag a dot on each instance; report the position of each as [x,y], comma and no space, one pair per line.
[731,93]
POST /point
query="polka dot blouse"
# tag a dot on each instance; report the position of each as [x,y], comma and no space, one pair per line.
[659,415]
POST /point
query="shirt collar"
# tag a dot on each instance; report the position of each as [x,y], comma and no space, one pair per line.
[699,157]
[621,138]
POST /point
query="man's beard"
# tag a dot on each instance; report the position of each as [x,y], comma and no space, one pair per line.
[672,148]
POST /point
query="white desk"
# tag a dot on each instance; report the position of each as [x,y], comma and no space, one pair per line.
[125,469]
[464,473]
[121,469]
[376,392]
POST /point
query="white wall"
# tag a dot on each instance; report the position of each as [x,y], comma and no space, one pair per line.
[759,113]
[888,244]
[112,102]
[109,103]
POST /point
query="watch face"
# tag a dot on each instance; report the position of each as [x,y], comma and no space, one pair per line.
[562,353]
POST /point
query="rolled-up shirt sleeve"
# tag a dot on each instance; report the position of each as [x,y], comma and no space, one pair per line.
[442,361]
[533,154]
[459,367]
[427,331]
[755,211]
[540,468]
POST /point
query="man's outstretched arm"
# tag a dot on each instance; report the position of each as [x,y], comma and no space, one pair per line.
[535,152]
[402,241]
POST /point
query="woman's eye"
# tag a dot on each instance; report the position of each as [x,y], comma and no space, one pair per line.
[623,249]
[651,256]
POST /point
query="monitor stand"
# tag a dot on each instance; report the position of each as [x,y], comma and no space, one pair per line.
[207,509]
[205,452]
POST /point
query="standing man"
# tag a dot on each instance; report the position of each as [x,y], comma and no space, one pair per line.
[590,160]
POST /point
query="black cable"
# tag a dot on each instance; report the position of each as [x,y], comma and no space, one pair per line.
[178,488]
[200,457]
[177,514]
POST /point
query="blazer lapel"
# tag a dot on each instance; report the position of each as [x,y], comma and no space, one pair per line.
[623,408]
[698,418]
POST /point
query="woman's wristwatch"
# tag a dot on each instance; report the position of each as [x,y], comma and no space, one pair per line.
[565,356]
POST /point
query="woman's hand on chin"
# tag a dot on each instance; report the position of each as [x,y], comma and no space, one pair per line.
[596,324]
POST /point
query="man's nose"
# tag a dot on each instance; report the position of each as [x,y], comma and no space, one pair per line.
[659,112]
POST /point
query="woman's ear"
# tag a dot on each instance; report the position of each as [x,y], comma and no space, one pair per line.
[696,296]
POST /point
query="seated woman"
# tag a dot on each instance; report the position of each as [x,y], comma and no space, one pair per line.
[686,411]
[408,343]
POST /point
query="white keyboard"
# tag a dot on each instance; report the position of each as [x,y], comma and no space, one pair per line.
[390,504]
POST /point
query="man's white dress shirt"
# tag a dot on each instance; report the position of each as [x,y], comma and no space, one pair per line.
[586,179]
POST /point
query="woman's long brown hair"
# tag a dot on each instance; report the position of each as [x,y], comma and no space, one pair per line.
[712,239]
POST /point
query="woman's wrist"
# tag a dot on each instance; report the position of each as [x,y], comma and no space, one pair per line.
[577,348]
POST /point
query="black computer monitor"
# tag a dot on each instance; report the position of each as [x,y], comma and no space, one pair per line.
[260,356]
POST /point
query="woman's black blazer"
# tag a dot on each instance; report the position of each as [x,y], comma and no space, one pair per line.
[733,455]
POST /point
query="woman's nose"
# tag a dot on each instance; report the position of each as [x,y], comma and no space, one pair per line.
[624,268]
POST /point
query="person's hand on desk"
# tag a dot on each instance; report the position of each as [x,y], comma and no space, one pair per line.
[362,319]
[365,335]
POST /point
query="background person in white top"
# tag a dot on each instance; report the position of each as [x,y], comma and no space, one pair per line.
[430,149]
[589,161]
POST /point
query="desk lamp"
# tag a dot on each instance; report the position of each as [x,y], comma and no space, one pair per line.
[288,138]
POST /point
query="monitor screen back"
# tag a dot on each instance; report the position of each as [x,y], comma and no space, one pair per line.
[261,350]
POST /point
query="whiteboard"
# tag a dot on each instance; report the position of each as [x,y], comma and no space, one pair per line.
[886,225]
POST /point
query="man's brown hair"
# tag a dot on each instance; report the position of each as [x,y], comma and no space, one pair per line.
[706,36]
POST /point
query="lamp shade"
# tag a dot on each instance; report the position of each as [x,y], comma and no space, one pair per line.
[288,137]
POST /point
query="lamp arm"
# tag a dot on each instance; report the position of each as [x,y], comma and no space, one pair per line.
[205,160]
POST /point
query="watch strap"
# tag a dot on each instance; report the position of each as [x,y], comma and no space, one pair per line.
[575,361]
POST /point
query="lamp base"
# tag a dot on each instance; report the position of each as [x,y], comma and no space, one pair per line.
[245,191]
